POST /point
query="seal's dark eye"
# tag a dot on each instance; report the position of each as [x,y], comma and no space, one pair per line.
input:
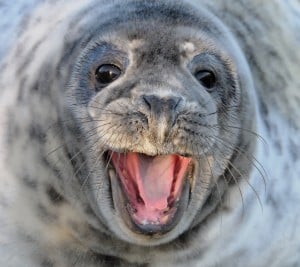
[107,73]
[206,78]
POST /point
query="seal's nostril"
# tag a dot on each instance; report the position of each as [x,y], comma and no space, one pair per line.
[177,101]
[150,100]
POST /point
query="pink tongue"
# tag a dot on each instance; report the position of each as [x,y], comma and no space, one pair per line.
[154,177]
[150,181]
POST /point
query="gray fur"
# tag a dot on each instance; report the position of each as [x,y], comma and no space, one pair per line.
[57,121]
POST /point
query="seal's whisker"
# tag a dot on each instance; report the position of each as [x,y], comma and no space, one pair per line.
[252,159]
[103,110]
[231,175]
[248,183]
[226,127]
[215,181]
[241,175]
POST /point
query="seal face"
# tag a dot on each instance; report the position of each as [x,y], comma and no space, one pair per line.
[163,103]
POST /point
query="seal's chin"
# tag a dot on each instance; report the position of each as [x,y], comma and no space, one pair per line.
[150,193]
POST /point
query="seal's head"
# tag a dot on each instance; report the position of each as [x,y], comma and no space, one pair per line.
[158,94]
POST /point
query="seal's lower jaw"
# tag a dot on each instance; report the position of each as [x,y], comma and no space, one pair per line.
[150,193]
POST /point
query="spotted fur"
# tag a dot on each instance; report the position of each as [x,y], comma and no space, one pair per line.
[49,163]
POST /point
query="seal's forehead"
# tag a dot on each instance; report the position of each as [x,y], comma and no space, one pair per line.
[171,43]
[163,22]
[168,29]
[139,18]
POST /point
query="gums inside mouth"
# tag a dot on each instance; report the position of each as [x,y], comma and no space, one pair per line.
[153,185]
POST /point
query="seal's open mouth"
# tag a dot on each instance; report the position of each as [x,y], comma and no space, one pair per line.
[153,187]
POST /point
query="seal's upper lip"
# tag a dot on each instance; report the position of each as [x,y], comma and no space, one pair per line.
[153,187]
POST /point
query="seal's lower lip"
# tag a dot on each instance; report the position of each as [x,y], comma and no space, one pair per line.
[150,193]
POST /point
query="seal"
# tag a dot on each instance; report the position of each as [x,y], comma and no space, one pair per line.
[144,133]
[165,105]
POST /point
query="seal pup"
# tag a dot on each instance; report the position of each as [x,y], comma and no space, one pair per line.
[132,134]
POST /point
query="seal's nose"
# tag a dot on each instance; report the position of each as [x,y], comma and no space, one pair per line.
[158,105]
[161,113]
